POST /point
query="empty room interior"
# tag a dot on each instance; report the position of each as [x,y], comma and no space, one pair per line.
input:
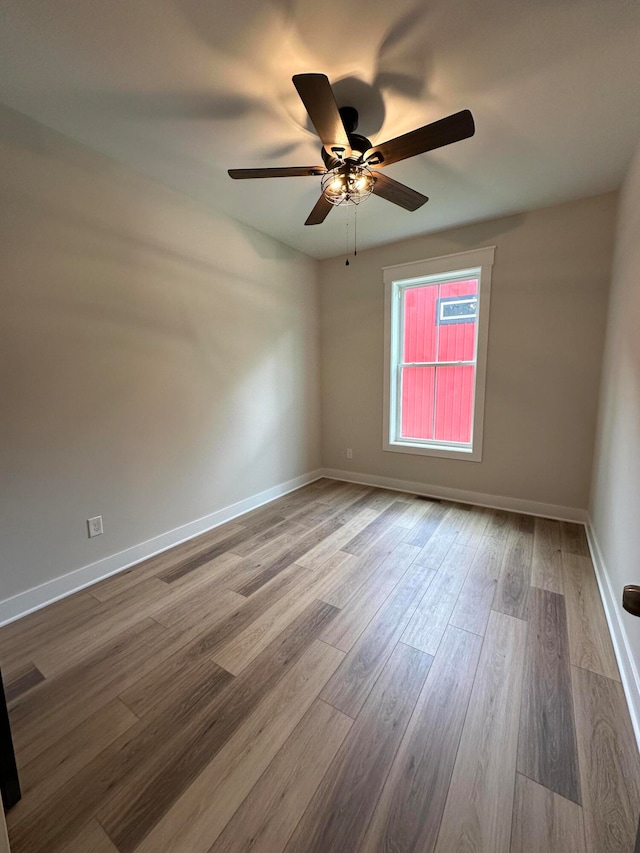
[320,426]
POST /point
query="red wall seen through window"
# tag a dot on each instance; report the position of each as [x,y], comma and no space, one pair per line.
[437,401]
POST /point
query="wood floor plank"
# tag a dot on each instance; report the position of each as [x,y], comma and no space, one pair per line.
[218,546]
[296,508]
[408,814]
[206,575]
[176,673]
[436,549]
[473,606]
[360,570]
[353,680]
[20,639]
[302,546]
[383,498]
[546,562]
[362,606]
[56,766]
[315,558]
[54,708]
[200,600]
[21,680]
[512,593]
[543,821]
[251,566]
[477,813]
[116,615]
[427,526]
[375,529]
[61,815]
[130,785]
[608,755]
[415,511]
[92,839]
[468,526]
[58,613]
[338,814]
[589,639]
[431,617]
[4,838]
[125,761]
[547,748]
[267,818]
[573,538]
[242,648]
[500,523]
[299,522]
[196,820]
[130,815]
[370,500]
[340,493]
[176,677]
[526,523]
[352,498]
[341,568]
[317,512]
[165,563]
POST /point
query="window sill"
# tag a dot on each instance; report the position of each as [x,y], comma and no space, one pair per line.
[462,453]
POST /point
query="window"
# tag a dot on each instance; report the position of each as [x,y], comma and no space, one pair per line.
[436,328]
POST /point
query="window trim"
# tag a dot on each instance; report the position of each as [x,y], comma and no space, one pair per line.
[477,263]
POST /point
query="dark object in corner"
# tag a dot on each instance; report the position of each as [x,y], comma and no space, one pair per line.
[9,784]
[631,599]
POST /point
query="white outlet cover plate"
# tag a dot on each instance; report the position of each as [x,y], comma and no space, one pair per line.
[95,526]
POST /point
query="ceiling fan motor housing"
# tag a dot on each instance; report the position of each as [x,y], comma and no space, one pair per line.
[359,144]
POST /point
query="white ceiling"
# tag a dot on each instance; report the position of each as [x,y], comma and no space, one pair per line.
[182,90]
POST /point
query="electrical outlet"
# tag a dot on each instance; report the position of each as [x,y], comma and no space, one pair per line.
[349,453]
[95,526]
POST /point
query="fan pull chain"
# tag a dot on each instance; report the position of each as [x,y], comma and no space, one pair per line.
[346,216]
[355,231]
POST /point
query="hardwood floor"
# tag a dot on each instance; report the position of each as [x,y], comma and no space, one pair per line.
[346,670]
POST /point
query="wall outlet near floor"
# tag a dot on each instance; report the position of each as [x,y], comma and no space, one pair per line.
[349,453]
[95,526]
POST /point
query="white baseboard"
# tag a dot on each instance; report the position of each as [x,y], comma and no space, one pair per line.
[628,671]
[562,513]
[33,599]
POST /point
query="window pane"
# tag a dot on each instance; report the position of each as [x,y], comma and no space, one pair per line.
[417,402]
[420,327]
[454,403]
[457,318]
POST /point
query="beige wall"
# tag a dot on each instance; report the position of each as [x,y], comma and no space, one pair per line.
[158,361]
[615,509]
[548,305]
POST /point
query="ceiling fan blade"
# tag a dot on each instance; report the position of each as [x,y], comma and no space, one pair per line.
[319,212]
[317,96]
[398,193]
[453,128]
[277,172]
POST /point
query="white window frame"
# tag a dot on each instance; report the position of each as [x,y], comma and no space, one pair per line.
[478,264]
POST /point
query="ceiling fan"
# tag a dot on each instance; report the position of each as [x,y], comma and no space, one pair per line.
[351,170]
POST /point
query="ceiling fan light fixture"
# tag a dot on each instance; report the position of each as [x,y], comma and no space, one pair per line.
[348,184]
